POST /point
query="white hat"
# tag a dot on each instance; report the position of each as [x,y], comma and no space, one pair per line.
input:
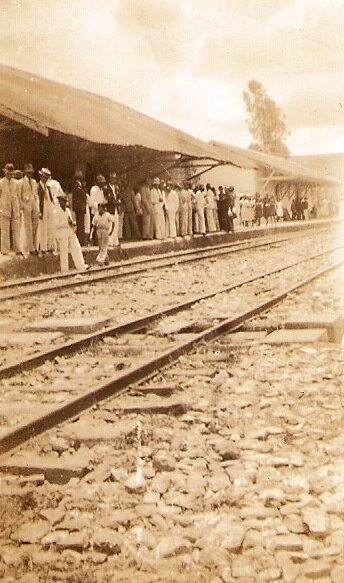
[45,172]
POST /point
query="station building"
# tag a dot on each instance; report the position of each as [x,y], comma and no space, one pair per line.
[281,177]
[63,128]
[57,126]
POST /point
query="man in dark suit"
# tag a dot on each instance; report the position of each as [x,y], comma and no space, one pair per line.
[79,205]
[113,206]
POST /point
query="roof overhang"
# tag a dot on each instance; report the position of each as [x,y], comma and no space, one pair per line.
[43,105]
[281,169]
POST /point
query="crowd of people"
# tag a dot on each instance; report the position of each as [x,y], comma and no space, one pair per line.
[264,210]
[38,217]
[155,209]
[35,218]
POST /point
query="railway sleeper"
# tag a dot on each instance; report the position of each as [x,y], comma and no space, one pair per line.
[290,328]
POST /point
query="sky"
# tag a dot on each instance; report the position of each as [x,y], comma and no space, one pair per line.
[187,62]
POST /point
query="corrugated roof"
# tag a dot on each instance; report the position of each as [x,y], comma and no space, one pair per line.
[288,167]
[42,104]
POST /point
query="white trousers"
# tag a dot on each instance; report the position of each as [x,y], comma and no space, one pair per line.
[200,221]
[209,213]
[103,242]
[70,244]
[113,238]
[171,223]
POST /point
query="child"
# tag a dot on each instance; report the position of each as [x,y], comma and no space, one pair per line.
[66,237]
[103,222]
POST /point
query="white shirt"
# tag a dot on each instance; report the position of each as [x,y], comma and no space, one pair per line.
[55,189]
[96,197]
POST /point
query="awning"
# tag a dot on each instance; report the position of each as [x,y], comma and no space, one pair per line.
[43,105]
[279,169]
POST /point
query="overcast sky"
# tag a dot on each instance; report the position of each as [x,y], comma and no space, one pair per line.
[186,62]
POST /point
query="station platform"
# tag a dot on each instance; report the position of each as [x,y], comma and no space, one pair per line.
[14,266]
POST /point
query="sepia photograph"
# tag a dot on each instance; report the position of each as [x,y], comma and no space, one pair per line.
[171,291]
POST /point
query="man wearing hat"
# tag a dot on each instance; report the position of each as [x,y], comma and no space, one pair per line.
[210,208]
[79,204]
[30,208]
[9,210]
[97,194]
[229,208]
[113,207]
[45,233]
[200,203]
[172,206]
[158,203]
[184,196]
[97,197]
[66,237]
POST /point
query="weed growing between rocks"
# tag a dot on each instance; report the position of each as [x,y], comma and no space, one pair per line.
[10,513]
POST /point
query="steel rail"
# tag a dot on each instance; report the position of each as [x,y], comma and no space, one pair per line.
[85,341]
[147,259]
[119,270]
[109,272]
[117,265]
[14,438]
[226,247]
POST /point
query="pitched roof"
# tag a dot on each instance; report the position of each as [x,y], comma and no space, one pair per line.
[290,169]
[41,105]
[44,105]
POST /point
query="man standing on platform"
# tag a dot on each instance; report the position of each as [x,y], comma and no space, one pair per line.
[9,210]
[183,210]
[66,237]
[158,203]
[172,207]
[200,204]
[190,207]
[79,205]
[97,197]
[131,228]
[147,211]
[30,207]
[113,202]
[210,206]
[46,230]
[230,211]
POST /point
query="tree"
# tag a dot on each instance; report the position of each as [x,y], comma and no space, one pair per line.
[266,122]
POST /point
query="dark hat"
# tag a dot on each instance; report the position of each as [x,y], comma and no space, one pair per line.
[28,167]
[8,168]
[45,172]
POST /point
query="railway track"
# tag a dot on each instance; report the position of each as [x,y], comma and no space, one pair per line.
[57,282]
[226,464]
[150,347]
[137,324]
[129,297]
